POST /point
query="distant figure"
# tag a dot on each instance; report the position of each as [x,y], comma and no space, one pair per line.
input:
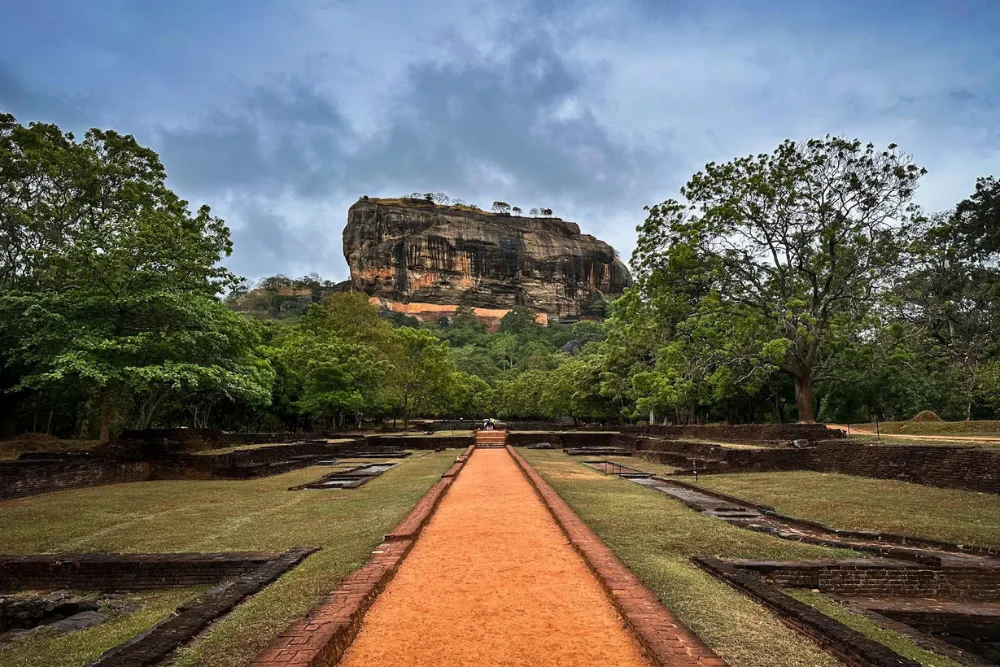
[486,424]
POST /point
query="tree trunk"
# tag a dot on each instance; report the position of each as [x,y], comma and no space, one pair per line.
[804,396]
[8,414]
[105,417]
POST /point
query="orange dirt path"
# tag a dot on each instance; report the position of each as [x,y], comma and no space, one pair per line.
[492,581]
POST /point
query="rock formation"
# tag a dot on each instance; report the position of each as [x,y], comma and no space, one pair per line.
[411,251]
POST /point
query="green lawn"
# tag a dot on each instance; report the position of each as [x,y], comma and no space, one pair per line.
[252,515]
[656,535]
[860,503]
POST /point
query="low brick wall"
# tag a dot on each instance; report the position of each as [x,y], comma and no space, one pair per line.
[167,441]
[967,468]
[571,439]
[972,469]
[873,578]
[740,432]
[716,458]
[98,571]
[31,477]
[430,442]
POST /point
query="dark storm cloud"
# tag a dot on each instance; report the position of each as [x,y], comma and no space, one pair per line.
[522,116]
[456,124]
[27,104]
[285,137]
[502,115]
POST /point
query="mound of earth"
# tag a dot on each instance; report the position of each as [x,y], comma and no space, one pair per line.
[926,416]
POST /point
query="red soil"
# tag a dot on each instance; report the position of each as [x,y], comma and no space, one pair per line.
[492,581]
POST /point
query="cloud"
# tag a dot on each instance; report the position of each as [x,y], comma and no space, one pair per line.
[480,129]
[280,117]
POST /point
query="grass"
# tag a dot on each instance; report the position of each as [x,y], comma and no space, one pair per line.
[984,427]
[897,642]
[246,448]
[83,646]
[222,515]
[656,535]
[860,503]
[34,443]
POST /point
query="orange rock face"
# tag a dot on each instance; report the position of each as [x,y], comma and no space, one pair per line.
[418,254]
[428,312]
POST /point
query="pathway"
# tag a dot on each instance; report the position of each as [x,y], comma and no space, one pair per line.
[492,581]
[972,439]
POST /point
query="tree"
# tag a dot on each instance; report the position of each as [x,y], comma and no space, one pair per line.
[533,212]
[501,207]
[336,376]
[953,293]
[429,196]
[441,198]
[516,211]
[520,321]
[109,284]
[977,220]
[801,241]
[421,368]
[547,212]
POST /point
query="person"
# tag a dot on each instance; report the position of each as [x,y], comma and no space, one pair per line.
[486,424]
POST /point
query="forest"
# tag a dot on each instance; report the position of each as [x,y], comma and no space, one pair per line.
[798,285]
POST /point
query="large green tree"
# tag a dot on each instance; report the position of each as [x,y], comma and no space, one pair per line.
[800,241]
[109,284]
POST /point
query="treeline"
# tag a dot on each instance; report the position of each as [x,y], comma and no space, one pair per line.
[797,285]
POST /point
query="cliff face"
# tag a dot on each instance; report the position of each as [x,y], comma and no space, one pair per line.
[411,251]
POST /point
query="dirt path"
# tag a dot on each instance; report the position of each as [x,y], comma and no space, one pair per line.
[492,581]
[855,430]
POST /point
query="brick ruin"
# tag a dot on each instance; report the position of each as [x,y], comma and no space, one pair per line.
[234,575]
[945,597]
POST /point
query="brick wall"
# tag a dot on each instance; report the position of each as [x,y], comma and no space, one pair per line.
[422,442]
[868,578]
[124,571]
[740,432]
[967,468]
[949,467]
[31,477]
[521,439]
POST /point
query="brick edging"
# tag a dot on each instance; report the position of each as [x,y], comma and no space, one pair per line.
[845,643]
[154,645]
[665,639]
[323,636]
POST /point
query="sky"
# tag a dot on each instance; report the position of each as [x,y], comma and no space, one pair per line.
[279,114]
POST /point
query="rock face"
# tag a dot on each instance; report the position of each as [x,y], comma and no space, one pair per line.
[414,251]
